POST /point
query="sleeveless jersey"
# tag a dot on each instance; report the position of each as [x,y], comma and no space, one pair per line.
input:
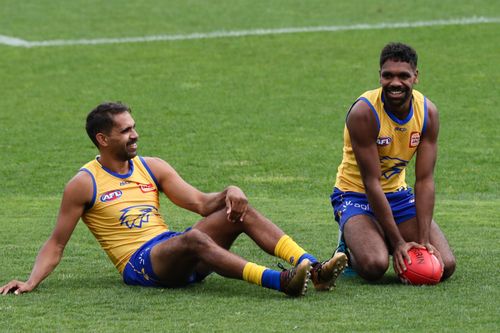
[397,142]
[124,211]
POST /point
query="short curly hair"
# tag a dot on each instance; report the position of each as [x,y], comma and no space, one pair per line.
[399,52]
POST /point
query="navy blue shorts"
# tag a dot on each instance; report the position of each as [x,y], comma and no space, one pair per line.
[139,270]
[348,204]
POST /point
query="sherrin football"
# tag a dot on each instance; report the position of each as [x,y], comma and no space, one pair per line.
[424,269]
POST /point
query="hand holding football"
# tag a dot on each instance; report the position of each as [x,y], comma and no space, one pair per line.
[424,268]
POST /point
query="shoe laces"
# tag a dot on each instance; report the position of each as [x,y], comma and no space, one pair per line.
[280,265]
[317,268]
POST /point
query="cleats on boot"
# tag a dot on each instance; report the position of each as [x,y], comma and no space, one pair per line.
[324,275]
[294,280]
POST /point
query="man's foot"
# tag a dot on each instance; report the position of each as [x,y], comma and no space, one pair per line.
[342,248]
[324,275]
[294,280]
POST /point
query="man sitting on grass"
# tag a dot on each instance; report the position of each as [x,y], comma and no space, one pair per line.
[117,197]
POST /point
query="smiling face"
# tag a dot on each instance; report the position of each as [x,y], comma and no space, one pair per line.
[397,79]
[121,141]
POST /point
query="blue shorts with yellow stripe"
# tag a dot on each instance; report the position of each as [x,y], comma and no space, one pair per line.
[139,270]
[348,204]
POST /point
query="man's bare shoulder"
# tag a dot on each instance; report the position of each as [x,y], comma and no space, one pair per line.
[81,187]
[362,122]
[360,110]
[152,159]
[156,162]
[159,167]
[431,108]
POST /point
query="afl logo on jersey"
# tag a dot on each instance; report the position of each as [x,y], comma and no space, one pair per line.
[384,141]
[111,195]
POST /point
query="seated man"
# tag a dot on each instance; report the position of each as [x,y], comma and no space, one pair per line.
[117,197]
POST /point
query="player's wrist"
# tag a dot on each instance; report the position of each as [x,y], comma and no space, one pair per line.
[423,238]
[31,284]
[397,243]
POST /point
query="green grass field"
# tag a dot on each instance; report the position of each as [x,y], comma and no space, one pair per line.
[263,112]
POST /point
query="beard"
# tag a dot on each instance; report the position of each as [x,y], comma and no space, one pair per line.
[396,97]
[128,152]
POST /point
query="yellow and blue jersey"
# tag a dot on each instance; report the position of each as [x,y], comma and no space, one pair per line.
[124,211]
[397,142]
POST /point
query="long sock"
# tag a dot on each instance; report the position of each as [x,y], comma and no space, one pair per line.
[261,276]
[287,249]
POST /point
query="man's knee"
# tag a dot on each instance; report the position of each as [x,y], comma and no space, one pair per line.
[252,214]
[198,241]
[450,264]
[372,268]
[188,245]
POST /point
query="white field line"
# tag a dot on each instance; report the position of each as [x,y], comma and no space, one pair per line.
[12,41]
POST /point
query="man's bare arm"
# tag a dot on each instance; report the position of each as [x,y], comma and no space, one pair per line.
[77,194]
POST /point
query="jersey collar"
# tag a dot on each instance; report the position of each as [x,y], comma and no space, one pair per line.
[116,174]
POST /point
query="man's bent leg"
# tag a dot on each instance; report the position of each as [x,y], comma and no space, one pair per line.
[264,233]
[441,243]
[272,240]
[367,246]
[261,230]
[176,259]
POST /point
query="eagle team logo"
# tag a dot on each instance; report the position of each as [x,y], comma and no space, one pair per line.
[392,166]
[135,216]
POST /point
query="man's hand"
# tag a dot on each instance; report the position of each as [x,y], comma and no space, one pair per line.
[16,287]
[236,204]
[434,251]
[400,253]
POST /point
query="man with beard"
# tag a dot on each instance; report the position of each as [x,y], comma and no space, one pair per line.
[117,197]
[378,214]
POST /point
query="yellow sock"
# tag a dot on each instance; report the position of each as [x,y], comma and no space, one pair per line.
[253,273]
[288,250]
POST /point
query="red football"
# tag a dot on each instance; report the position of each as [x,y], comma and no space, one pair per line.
[424,269]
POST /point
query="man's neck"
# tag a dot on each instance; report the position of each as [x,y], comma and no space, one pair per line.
[116,166]
[400,111]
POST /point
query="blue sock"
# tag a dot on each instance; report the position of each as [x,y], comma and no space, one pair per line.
[271,279]
[311,258]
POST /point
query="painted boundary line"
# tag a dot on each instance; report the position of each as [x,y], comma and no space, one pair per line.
[16,42]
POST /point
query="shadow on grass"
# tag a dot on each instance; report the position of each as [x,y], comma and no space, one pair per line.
[213,286]
[387,280]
